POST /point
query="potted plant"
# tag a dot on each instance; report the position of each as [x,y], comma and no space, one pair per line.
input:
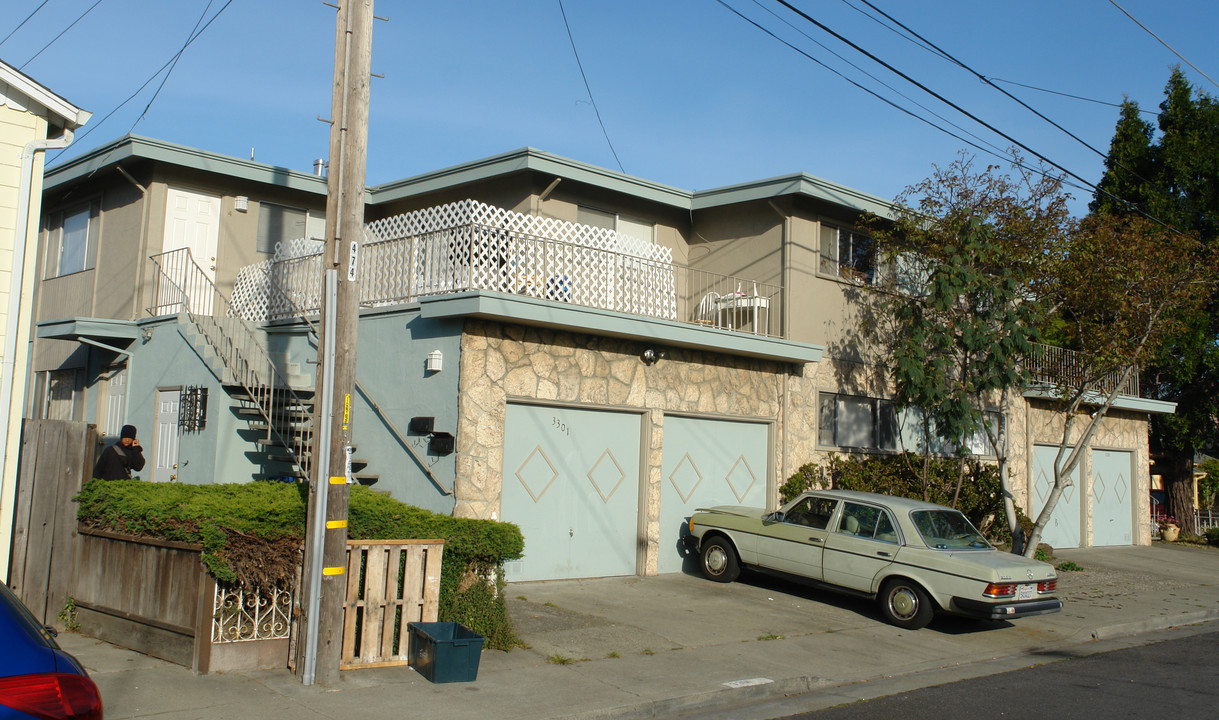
[1169,530]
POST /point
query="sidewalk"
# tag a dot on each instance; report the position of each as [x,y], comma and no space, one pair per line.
[655,647]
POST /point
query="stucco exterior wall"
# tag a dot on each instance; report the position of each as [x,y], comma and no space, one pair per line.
[500,363]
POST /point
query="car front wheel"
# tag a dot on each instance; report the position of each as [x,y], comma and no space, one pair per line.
[719,560]
[905,604]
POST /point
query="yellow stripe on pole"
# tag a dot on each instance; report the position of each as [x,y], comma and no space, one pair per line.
[334,570]
[335,524]
[338,480]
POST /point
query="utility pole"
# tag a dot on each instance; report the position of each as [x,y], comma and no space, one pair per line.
[325,579]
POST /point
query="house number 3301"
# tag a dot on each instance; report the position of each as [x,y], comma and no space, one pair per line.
[561,426]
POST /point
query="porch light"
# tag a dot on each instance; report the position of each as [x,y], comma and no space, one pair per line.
[435,361]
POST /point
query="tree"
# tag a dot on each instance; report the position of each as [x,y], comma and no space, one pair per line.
[1127,287]
[981,263]
[1175,180]
[960,310]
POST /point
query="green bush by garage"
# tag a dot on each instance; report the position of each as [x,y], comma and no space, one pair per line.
[252,533]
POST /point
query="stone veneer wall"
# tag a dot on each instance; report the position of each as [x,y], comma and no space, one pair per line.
[502,362]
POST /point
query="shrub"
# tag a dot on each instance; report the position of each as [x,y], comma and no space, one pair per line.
[980,497]
[1212,536]
[253,532]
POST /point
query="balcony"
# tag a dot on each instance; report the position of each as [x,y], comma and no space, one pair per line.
[1051,365]
[468,246]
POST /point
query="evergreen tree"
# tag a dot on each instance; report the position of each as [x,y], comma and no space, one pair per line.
[1175,180]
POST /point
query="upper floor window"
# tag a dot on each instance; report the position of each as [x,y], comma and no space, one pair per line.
[848,254]
[278,223]
[72,240]
[638,229]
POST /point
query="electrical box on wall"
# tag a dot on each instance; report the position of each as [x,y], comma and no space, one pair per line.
[442,443]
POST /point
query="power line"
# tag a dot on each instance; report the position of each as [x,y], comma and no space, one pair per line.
[61,33]
[174,63]
[1068,95]
[1157,37]
[996,151]
[23,22]
[958,108]
[132,96]
[589,89]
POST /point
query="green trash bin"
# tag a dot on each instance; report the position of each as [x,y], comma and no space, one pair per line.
[444,652]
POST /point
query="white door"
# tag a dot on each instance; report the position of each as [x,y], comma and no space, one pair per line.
[165,464]
[192,221]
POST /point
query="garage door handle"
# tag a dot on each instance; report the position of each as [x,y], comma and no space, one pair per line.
[814,539]
[882,553]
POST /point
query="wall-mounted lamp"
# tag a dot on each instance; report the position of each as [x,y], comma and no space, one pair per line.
[435,361]
[652,355]
[241,203]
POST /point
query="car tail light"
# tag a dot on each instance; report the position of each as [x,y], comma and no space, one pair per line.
[1047,586]
[1000,590]
[52,696]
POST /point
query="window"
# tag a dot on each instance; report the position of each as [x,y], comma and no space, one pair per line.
[868,522]
[813,512]
[862,423]
[278,223]
[857,422]
[848,254]
[63,399]
[638,229]
[72,240]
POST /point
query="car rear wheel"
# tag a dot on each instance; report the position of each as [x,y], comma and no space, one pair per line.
[905,604]
[719,560]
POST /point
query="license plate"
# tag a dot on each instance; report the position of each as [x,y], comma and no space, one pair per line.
[1026,591]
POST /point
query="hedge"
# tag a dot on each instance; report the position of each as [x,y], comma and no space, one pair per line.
[252,533]
[980,497]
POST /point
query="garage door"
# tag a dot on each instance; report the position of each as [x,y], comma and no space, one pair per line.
[571,482]
[1062,531]
[707,462]
[1112,509]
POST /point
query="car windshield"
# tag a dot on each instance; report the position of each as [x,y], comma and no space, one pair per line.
[947,530]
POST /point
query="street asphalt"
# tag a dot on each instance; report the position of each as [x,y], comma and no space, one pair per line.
[679,645]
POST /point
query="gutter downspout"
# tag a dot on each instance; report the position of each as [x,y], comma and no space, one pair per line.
[7,381]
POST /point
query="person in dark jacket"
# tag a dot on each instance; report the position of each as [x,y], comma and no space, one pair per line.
[118,460]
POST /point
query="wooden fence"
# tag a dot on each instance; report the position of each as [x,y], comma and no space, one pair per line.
[389,584]
[156,597]
[56,457]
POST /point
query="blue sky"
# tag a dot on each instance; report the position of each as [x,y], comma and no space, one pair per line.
[690,94]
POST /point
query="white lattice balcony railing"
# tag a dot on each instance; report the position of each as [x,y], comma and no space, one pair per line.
[472,246]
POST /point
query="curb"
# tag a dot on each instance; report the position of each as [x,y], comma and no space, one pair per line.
[765,689]
[1152,624]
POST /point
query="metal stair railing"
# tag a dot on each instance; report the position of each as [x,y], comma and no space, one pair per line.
[274,288]
[183,287]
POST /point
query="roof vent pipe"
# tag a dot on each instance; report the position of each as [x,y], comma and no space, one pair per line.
[319,167]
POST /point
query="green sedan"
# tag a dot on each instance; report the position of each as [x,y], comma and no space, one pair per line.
[913,557]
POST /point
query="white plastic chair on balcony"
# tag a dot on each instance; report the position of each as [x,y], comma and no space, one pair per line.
[708,312]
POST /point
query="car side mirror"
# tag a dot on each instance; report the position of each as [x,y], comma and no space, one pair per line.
[776,516]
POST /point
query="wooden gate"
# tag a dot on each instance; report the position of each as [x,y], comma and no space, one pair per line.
[56,458]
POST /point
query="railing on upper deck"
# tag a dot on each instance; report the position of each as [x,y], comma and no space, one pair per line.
[1051,364]
[471,246]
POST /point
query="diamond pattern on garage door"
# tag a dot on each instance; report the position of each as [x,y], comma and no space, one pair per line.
[611,477]
[745,479]
[685,478]
[536,473]
[1102,485]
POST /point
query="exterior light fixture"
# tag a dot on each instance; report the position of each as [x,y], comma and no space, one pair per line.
[435,361]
